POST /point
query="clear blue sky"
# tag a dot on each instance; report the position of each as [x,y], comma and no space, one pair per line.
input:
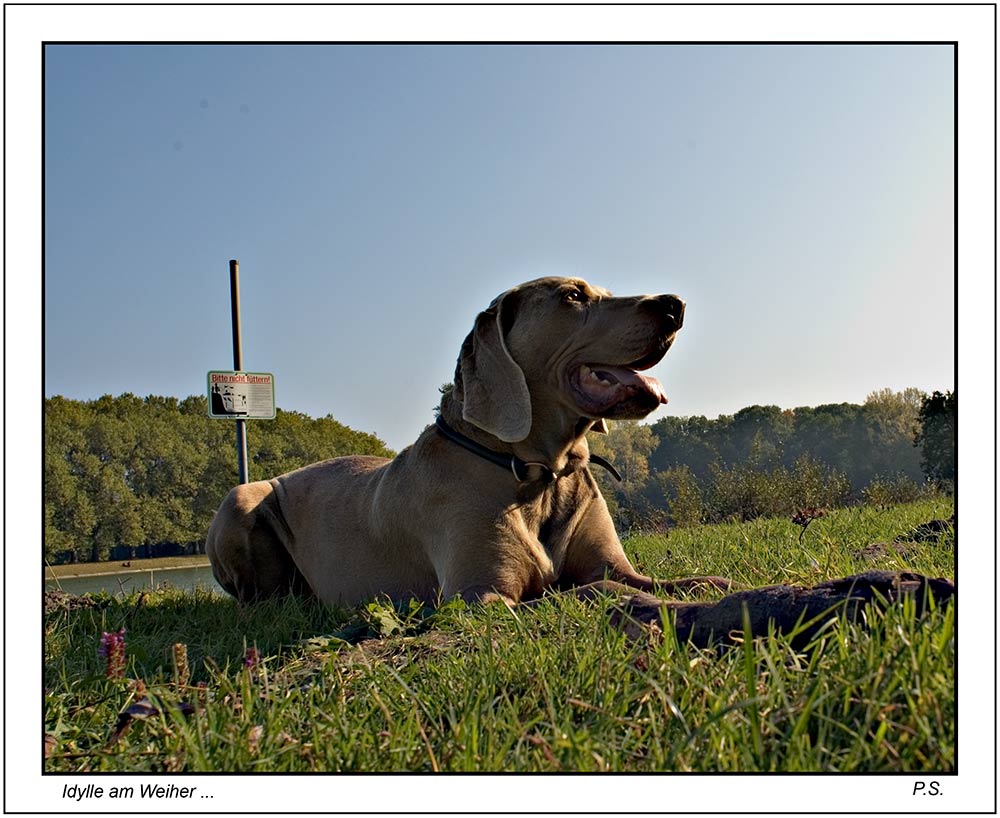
[800,198]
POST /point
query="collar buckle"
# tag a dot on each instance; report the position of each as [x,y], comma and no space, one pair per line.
[548,475]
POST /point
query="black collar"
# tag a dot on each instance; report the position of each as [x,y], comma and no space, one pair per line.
[518,466]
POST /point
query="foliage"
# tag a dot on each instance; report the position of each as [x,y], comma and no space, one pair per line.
[682,495]
[767,461]
[745,493]
[858,441]
[883,492]
[628,444]
[131,471]
[937,436]
[290,686]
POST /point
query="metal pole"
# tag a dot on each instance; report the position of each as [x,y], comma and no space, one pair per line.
[241,425]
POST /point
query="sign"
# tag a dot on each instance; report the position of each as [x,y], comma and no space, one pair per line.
[236,395]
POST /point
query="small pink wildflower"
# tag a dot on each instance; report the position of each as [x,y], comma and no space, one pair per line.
[112,650]
[251,659]
[805,516]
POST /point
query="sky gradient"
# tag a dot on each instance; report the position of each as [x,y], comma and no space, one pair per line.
[799,198]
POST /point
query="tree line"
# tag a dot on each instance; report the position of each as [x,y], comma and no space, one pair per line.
[125,472]
[766,461]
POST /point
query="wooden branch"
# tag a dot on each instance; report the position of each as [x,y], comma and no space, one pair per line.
[790,608]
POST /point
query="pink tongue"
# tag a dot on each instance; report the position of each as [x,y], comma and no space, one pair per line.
[629,377]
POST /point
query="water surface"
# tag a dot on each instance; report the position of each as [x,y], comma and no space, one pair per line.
[185,578]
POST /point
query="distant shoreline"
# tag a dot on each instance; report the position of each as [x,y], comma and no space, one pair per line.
[87,569]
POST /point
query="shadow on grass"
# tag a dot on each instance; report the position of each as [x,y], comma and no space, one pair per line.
[218,632]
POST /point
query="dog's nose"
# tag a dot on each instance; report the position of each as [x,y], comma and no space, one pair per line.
[671,307]
[676,308]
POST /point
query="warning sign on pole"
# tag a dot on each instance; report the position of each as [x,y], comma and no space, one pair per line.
[247,395]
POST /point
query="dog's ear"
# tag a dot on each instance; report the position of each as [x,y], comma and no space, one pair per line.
[600,426]
[494,392]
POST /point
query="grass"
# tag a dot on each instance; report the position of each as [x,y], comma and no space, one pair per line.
[552,688]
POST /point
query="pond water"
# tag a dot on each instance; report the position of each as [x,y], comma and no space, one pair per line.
[186,579]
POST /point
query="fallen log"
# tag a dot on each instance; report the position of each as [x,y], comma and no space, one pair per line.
[802,611]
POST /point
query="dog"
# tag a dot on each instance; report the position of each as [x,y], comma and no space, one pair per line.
[496,500]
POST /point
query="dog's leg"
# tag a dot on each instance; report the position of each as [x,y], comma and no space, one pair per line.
[592,590]
[486,596]
[636,580]
[596,554]
[693,584]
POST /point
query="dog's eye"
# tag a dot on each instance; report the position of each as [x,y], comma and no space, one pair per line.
[574,297]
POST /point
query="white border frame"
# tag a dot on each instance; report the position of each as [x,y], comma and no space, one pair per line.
[973,27]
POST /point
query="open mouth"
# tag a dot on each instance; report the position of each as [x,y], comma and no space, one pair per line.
[623,391]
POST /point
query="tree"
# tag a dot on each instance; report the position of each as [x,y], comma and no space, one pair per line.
[895,412]
[682,496]
[758,435]
[691,442]
[892,419]
[938,436]
[89,452]
[69,514]
[834,434]
[628,445]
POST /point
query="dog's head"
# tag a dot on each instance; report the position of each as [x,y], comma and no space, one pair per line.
[560,345]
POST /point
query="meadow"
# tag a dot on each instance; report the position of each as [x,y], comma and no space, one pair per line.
[202,684]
